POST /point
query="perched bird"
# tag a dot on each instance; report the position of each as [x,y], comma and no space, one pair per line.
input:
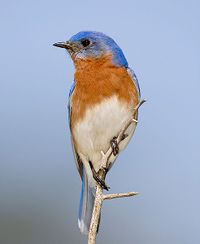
[102,98]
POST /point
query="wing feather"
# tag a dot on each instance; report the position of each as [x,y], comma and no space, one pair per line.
[135,79]
[78,161]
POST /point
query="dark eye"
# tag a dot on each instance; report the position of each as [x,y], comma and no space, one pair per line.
[85,42]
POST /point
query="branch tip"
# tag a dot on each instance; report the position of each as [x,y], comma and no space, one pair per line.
[119,195]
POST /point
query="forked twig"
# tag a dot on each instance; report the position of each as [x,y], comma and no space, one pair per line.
[105,164]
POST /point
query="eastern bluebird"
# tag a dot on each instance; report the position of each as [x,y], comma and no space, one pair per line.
[102,98]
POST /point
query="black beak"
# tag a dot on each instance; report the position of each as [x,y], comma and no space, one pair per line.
[65,45]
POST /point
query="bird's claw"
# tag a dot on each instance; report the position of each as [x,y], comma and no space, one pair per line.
[98,179]
[114,146]
[102,183]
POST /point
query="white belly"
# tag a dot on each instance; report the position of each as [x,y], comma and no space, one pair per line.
[99,126]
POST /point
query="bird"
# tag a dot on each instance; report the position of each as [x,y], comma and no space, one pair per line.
[102,97]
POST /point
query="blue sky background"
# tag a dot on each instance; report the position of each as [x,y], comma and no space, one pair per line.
[39,184]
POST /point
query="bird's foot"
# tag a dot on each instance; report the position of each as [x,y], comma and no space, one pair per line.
[124,136]
[114,146]
[101,182]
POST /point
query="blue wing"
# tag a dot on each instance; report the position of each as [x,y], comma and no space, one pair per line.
[135,79]
[69,102]
[79,163]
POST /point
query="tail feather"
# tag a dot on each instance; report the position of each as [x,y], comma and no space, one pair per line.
[88,192]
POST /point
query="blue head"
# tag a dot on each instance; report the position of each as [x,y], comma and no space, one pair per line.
[91,44]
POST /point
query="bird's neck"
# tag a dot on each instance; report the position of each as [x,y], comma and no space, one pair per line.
[93,63]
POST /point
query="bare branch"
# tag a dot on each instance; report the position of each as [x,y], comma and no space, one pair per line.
[105,164]
[119,195]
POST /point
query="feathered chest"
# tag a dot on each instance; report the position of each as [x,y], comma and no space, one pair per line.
[96,84]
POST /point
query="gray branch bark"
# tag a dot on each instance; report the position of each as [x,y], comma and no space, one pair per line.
[100,197]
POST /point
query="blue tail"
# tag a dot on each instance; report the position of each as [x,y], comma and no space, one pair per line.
[86,204]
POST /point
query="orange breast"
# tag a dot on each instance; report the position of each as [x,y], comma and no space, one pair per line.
[96,80]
